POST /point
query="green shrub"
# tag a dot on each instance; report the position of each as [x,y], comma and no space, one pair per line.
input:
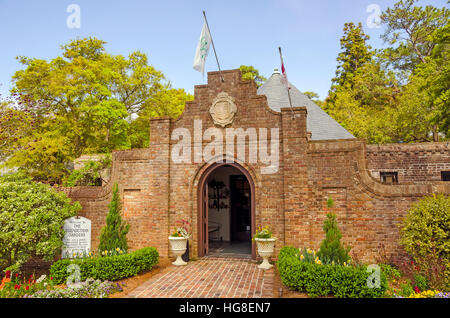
[425,234]
[331,248]
[89,174]
[109,267]
[322,280]
[31,219]
[114,234]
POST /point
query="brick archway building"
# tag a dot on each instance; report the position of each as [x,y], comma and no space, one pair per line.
[318,159]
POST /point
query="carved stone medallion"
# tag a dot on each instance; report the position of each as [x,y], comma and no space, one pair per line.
[223,109]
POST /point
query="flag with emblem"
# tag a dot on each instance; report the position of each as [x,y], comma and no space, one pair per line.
[202,49]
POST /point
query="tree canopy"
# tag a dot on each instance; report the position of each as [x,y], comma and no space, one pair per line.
[84,101]
[399,93]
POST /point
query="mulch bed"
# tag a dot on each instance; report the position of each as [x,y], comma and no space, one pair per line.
[37,267]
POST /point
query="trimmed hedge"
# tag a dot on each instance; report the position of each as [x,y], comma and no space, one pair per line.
[323,280]
[109,267]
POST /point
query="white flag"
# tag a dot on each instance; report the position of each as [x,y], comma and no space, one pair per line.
[202,49]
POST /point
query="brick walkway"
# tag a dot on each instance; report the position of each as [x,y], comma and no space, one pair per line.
[209,277]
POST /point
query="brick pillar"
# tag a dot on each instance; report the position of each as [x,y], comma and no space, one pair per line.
[159,183]
[294,137]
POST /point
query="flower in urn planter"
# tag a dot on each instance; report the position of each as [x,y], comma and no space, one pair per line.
[266,245]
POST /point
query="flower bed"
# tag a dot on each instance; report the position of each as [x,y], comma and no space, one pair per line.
[16,286]
[88,289]
[107,268]
[427,294]
[318,279]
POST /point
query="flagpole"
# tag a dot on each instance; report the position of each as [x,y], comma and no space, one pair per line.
[287,82]
[212,42]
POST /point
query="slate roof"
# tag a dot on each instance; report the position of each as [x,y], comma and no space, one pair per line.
[318,122]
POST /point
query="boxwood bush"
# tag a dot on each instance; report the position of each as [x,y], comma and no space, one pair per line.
[323,280]
[108,267]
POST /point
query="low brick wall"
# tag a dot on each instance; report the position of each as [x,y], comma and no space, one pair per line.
[419,162]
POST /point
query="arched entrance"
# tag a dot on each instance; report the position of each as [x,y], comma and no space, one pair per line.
[226,211]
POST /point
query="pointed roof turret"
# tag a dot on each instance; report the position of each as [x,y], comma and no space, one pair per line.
[318,122]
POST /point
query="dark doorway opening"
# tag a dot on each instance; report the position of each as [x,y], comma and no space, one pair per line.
[227,212]
[240,216]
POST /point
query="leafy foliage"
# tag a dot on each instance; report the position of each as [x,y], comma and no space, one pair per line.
[425,236]
[113,235]
[251,73]
[82,102]
[322,280]
[409,28]
[355,54]
[400,93]
[109,267]
[166,102]
[89,174]
[31,219]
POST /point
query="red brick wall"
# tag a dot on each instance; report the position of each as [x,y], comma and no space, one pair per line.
[367,211]
[156,192]
[413,162]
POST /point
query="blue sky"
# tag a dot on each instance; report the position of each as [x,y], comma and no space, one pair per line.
[244,32]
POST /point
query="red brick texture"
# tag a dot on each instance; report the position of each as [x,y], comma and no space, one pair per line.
[209,278]
[156,191]
[413,162]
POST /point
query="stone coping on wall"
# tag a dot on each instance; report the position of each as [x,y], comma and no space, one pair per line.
[416,147]
[364,179]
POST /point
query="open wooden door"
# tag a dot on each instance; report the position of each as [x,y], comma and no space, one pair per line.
[205,218]
[247,222]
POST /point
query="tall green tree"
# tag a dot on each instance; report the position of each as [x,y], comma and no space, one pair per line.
[362,89]
[432,78]
[362,108]
[419,44]
[84,101]
[355,53]
[114,234]
[409,30]
[166,102]
[401,93]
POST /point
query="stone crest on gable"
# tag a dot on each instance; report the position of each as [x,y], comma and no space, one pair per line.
[223,109]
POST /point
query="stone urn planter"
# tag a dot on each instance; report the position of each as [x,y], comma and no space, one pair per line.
[266,248]
[178,247]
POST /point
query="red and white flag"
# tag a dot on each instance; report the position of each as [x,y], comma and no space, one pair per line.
[284,78]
